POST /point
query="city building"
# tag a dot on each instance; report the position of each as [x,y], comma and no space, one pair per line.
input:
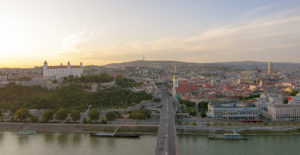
[294,99]
[58,72]
[284,111]
[3,78]
[270,67]
[186,89]
[232,110]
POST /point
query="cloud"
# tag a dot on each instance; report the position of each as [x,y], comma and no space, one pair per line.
[256,39]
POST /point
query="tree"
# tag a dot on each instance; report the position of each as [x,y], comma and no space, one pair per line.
[75,114]
[61,114]
[273,123]
[294,92]
[179,122]
[215,123]
[1,113]
[94,114]
[48,115]
[207,124]
[34,119]
[111,115]
[236,123]
[194,124]
[156,99]
[203,106]
[229,123]
[203,114]
[285,101]
[140,114]
[22,114]
[192,111]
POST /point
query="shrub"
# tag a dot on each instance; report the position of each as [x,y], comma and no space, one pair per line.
[112,115]
[179,122]
[229,123]
[34,119]
[48,115]
[207,124]
[61,114]
[22,114]
[75,114]
[93,114]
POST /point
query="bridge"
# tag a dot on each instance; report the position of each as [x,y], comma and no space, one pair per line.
[167,143]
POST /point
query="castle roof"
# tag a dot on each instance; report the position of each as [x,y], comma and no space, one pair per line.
[58,67]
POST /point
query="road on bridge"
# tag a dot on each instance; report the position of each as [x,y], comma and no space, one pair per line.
[167,143]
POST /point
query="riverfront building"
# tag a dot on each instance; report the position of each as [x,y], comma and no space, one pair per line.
[232,110]
[290,111]
[58,72]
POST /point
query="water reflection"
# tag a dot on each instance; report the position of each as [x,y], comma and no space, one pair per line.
[95,141]
[62,139]
[112,142]
[1,137]
[48,137]
[76,139]
[23,139]
[74,144]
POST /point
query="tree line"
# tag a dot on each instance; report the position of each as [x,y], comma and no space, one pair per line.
[14,97]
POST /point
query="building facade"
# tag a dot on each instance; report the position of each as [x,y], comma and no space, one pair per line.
[290,111]
[58,72]
[284,111]
[218,110]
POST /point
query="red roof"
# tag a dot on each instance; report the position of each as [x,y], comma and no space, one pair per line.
[184,86]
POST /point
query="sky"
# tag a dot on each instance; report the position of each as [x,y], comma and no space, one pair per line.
[98,32]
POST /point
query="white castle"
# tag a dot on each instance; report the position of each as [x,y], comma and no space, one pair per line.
[58,72]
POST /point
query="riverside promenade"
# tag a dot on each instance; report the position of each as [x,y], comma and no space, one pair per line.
[53,127]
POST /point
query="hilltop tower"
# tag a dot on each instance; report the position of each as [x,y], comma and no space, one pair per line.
[270,67]
[175,82]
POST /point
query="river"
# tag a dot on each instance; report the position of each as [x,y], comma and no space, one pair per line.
[45,143]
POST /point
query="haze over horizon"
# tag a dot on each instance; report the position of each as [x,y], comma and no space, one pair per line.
[111,31]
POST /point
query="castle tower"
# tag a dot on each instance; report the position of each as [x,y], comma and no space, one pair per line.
[260,82]
[45,64]
[45,67]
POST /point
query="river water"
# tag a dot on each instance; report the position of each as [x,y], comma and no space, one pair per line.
[45,143]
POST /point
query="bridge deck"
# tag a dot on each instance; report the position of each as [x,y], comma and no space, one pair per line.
[166,138]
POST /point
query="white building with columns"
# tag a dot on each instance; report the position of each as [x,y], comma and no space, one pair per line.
[61,71]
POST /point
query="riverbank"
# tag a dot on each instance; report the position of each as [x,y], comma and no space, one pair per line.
[249,131]
[53,127]
[142,128]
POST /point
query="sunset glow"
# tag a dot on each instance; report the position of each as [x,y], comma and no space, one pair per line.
[113,31]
